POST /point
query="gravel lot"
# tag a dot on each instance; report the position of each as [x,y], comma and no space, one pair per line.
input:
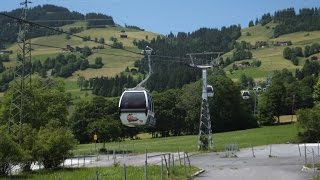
[285,163]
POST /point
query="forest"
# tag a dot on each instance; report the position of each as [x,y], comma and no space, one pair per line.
[289,20]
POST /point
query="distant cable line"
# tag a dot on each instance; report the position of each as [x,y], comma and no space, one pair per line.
[110,54]
[70,20]
[85,26]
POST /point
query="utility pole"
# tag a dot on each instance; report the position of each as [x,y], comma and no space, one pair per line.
[22,74]
[205,129]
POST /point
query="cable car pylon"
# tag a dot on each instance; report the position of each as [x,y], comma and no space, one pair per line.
[205,129]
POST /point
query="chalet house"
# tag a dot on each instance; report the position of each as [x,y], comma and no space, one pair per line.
[123,34]
[283,43]
[5,52]
[241,65]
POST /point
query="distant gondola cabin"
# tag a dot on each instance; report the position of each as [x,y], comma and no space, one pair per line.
[123,34]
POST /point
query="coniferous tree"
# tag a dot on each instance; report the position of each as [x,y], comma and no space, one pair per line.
[251,23]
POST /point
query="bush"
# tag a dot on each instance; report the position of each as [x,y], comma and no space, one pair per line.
[309,122]
[10,152]
[53,144]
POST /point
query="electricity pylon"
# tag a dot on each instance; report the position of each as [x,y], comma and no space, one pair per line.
[205,129]
[22,74]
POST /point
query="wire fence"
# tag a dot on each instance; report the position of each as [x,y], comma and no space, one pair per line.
[167,162]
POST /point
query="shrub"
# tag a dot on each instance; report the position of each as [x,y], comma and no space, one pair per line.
[53,144]
[10,152]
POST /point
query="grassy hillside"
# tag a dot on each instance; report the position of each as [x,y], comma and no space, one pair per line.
[257,33]
[112,64]
[271,57]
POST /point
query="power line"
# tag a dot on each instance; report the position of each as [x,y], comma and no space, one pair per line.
[97,26]
[172,57]
[58,30]
[81,37]
[111,54]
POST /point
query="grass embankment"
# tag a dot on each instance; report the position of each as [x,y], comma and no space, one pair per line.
[244,138]
[114,173]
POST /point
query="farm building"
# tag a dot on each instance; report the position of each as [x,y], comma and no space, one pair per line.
[123,34]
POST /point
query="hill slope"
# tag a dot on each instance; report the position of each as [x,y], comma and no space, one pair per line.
[114,59]
[271,57]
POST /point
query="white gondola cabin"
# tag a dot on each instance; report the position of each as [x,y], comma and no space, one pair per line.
[210,91]
[136,108]
[245,94]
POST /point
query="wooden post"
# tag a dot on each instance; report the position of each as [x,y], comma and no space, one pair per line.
[188,160]
[84,159]
[124,172]
[173,160]
[252,151]
[161,168]
[318,148]
[270,155]
[165,160]
[313,162]
[179,156]
[146,167]
[299,150]
[184,163]
[97,175]
[305,154]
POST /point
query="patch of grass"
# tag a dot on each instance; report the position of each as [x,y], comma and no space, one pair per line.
[300,38]
[316,165]
[245,138]
[43,57]
[114,173]
[77,94]
[258,33]
[113,64]
[271,60]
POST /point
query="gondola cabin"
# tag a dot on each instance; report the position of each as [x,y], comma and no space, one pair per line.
[136,108]
[210,91]
[245,94]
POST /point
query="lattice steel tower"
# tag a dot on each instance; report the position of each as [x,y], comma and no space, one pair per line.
[22,74]
[205,129]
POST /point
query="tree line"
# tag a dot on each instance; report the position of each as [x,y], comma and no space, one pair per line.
[174,73]
[292,54]
[113,86]
[288,21]
[177,112]
[60,66]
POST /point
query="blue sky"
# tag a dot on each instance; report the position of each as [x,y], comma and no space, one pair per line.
[164,16]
